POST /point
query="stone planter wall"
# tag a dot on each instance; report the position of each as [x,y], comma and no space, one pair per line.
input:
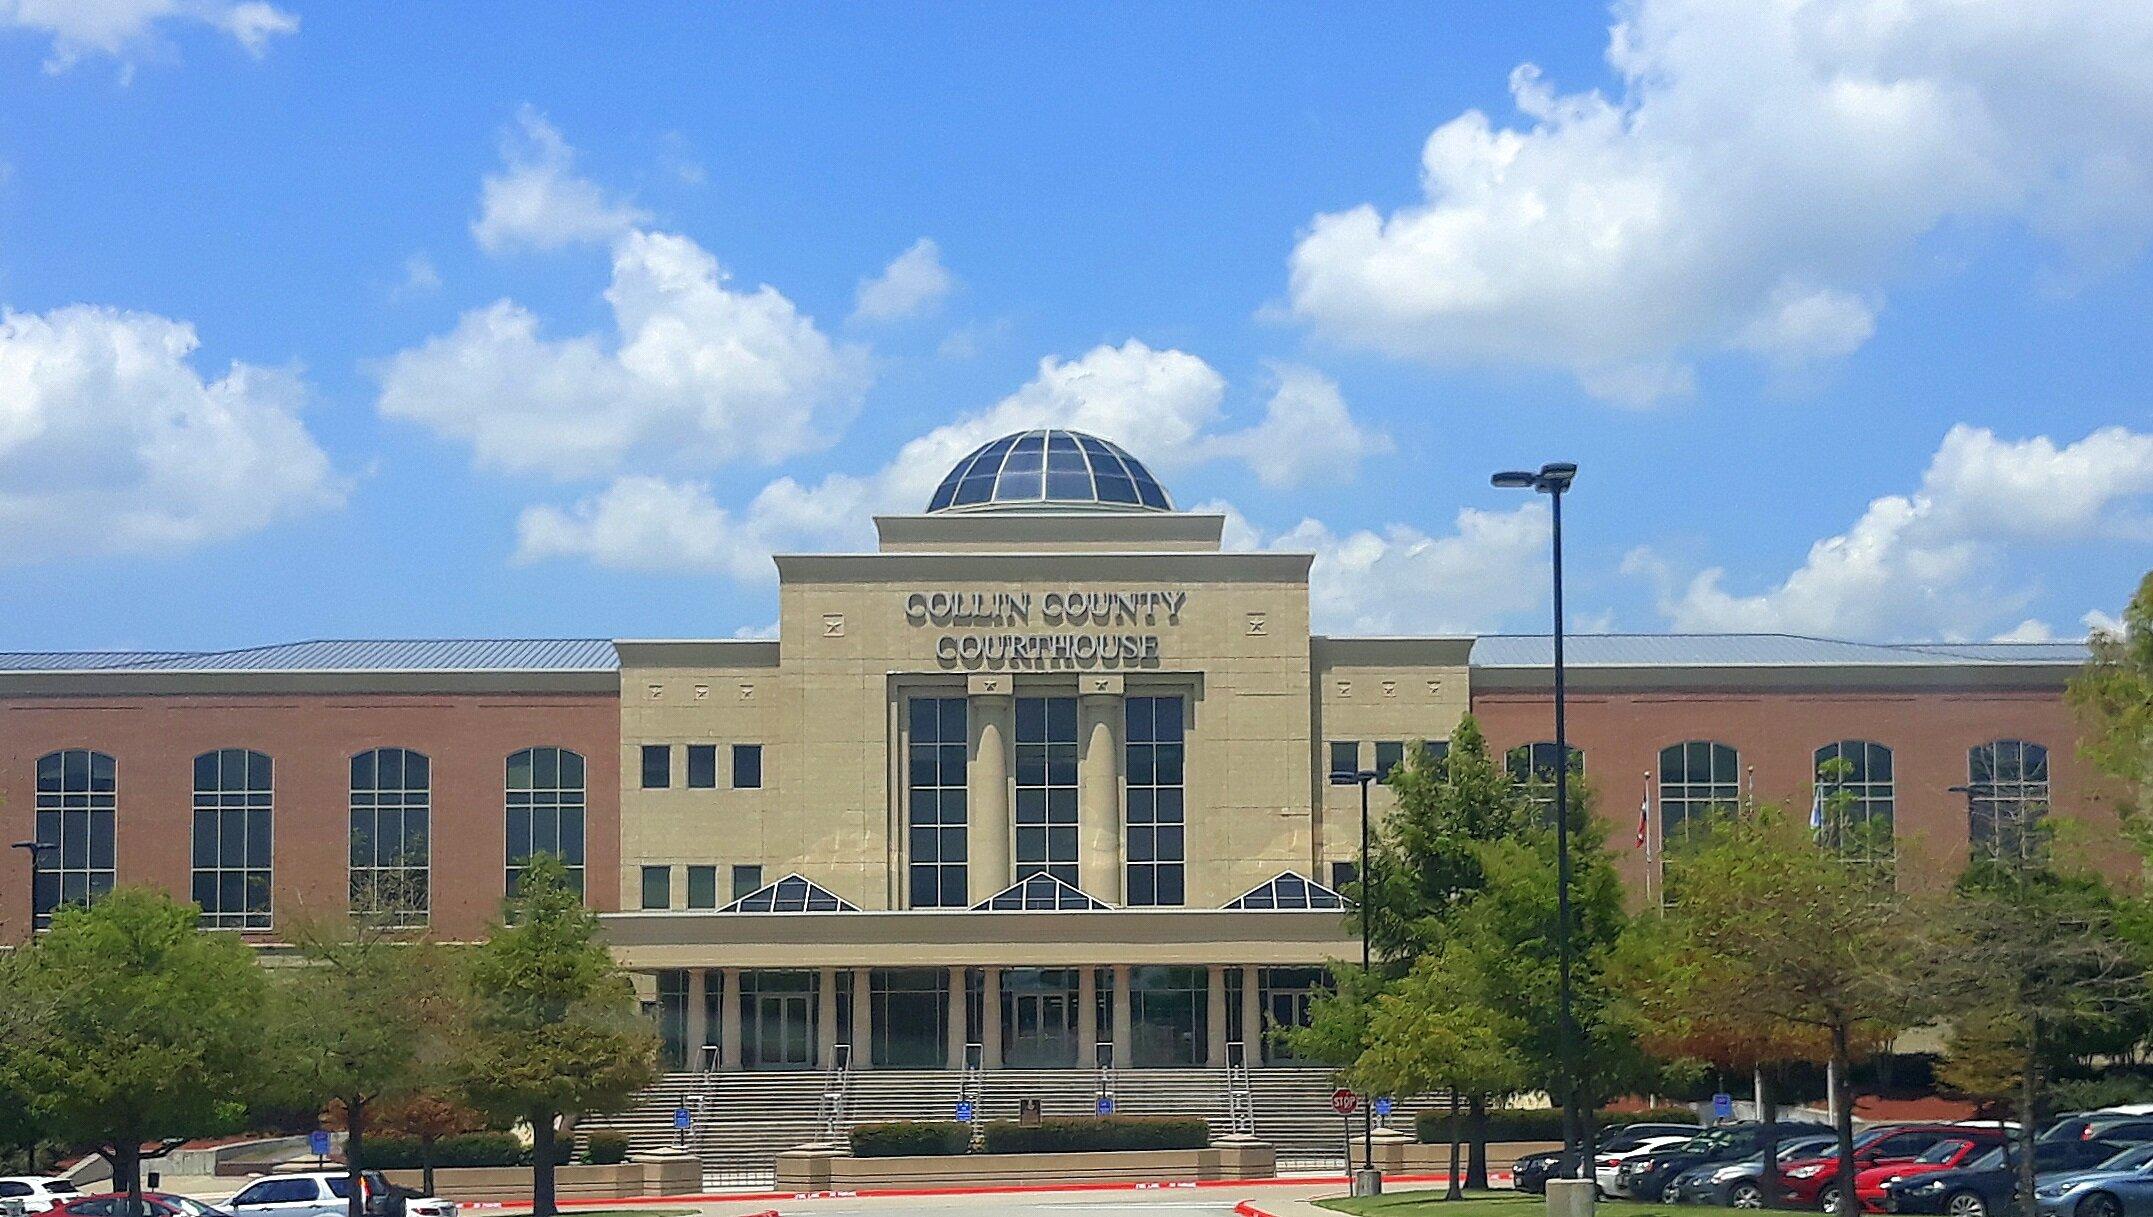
[644,1175]
[820,1168]
[1398,1154]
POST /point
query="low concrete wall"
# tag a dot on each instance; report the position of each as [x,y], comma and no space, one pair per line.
[1398,1154]
[817,1168]
[644,1175]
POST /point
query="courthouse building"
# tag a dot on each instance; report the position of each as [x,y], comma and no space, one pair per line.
[1045,773]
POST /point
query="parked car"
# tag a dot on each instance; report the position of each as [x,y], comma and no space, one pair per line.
[2108,1124]
[38,1193]
[1652,1176]
[327,1194]
[1740,1184]
[2120,1187]
[1606,1166]
[1531,1173]
[1982,1188]
[154,1204]
[1815,1184]
[1947,1154]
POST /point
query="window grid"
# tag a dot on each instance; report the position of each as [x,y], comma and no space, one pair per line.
[1157,845]
[1047,788]
[1695,777]
[77,807]
[391,834]
[2007,783]
[233,793]
[545,811]
[1863,830]
[1532,766]
[937,775]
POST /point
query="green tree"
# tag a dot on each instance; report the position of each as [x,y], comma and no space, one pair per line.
[138,1028]
[2114,699]
[554,1028]
[1774,923]
[365,1018]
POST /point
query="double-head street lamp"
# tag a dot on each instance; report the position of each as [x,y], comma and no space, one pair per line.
[36,850]
[1373,1184]
[1552,480]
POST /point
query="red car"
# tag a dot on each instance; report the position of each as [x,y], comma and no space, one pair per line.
[154,1204]
[1947,1154]
[1815,1184]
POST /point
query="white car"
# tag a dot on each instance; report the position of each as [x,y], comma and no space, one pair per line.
[38,1193]
[1607,1168]
[327,1194]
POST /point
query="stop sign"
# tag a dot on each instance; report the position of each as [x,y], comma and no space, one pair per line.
[1344,1101]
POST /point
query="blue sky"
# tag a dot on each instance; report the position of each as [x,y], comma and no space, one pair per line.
[1843,301]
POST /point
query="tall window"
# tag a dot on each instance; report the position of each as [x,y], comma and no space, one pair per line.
[1390,755]
[77,805]
[1695,777]
[2007,784]
[1854,798]
[1345,756]
[936,777]
[1533,767]
[231,839]
[1157,850]
[1047,787]
[391,834]
[545,811]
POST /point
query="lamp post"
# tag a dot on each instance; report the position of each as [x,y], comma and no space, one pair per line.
[1369,1181]
[36,850]
[1552,480]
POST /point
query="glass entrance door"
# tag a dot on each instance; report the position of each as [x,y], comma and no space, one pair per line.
[784,1031]
[1039,1018]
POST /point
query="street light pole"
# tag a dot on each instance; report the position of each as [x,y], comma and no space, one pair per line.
[1552,480]
[1372,1185]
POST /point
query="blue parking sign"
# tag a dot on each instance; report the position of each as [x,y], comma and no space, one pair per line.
[1105,1105]
[318,1143]
[682,1120]
[1383,1106]
[1722,1106]
[964,1112]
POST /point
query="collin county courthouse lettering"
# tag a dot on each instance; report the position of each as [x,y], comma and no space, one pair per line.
[1037,783]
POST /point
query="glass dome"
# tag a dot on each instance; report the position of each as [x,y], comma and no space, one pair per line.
[1049,468]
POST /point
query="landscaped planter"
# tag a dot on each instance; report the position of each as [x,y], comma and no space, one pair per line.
[1398,1154]
[648,1175]
[817,1168]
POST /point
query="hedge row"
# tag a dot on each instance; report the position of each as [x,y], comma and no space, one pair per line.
[1432,1127]
[1091,1135]
[605,1147]
[390,1152]
[911,1138]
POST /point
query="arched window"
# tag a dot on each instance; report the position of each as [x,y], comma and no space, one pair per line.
[2007,794]
[1533,766]
[545,811]
[1852,806]
[77,806]
[392,834]
[232,793]
[1695,777]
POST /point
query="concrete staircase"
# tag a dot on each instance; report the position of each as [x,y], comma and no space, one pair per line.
[743,1120]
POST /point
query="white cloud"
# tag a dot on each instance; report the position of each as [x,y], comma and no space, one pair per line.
[699,374]
[1306,433]
[537,201]
[121,28]
[1764,173]
[421,278]
[110,441]
[912,285]
[1938,561]
[1402,580]
[1162,405]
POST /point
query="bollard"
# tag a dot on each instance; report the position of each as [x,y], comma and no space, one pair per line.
[1571,1197]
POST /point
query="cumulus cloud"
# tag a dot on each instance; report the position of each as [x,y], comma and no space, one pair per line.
[1163,405]
[1936,561]
[122,28]
[1761,176]
[536,200]
[912,285]
[1400,579]
[110,441]
[1306,432]
[698,374]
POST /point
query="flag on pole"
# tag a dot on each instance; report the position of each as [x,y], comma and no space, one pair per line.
[1644,822]
[1816,809]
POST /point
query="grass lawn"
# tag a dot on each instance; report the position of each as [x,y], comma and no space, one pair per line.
[1429,1202]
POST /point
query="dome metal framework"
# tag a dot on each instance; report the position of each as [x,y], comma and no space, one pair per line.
[1049,468]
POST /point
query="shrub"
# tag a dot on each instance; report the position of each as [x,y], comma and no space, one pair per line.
[1432,1126]
[906,1138]
[1086,1134]
[391,1152]
[605,1147]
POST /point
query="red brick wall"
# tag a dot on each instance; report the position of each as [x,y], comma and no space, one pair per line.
[311,738]
[1778,734]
